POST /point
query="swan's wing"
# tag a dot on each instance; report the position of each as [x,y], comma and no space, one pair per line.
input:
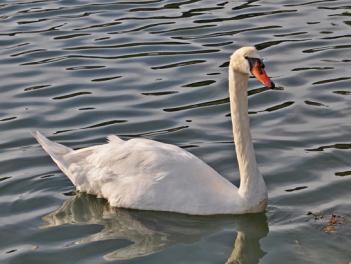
[146,174]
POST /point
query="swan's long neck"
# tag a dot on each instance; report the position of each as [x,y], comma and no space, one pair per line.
[252,186]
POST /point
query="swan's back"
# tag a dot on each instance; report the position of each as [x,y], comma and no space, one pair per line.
[146,174]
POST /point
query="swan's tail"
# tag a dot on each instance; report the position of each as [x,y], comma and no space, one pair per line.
[56,151]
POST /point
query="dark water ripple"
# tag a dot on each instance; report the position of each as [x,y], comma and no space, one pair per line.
[80,70]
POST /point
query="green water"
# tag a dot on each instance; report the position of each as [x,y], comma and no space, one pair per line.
[81,70]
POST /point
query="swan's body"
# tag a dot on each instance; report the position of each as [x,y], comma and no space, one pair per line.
[149,175]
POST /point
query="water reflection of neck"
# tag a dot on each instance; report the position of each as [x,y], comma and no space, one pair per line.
[247,249]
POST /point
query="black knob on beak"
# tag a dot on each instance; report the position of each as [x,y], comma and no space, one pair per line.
[272,85]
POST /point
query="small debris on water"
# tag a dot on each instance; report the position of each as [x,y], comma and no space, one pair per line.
[334,220]
[316,215]
[329,223]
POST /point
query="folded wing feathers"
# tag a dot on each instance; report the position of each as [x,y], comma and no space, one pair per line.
[114,139]
[56,151]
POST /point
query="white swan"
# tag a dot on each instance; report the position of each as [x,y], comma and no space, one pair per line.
[149,175]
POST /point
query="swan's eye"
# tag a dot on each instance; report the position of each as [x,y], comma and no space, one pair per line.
[255,63]
[260,66]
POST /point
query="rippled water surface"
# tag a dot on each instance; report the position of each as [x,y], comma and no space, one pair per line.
[80,70]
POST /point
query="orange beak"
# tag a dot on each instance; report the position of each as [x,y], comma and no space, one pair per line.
[262,76]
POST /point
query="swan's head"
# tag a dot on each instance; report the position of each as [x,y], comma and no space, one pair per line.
[246,60]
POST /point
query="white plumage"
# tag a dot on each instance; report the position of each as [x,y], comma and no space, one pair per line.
[149,175]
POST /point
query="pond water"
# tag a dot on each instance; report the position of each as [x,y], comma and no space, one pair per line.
[80,70]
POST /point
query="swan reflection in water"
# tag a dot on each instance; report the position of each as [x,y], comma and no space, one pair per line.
[151,232]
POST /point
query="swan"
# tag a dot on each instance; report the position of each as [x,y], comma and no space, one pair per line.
[149,175]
